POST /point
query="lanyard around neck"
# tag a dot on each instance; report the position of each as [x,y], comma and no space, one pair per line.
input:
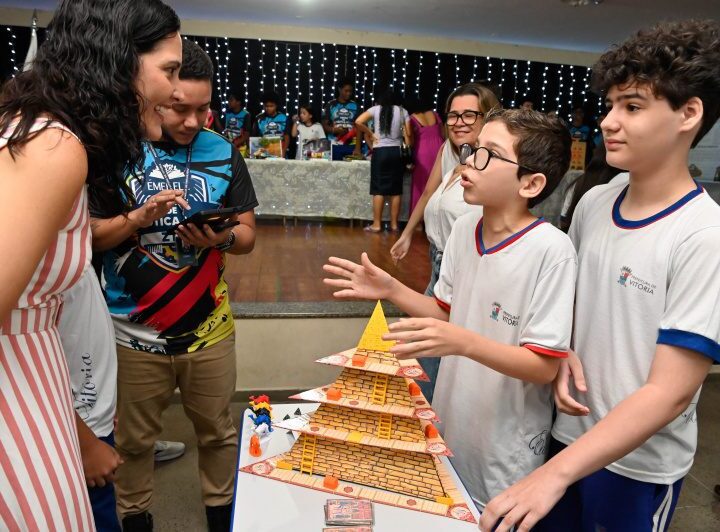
[164,173]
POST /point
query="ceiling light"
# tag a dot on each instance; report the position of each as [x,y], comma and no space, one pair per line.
[578,3]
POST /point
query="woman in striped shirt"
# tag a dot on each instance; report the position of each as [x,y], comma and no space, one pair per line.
[99,84]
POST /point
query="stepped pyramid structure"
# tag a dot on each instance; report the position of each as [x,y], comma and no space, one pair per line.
[372,436]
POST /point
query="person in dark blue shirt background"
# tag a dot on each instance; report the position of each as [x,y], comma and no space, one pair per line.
[271,122]
[237,122]
[579,129]
[339,114]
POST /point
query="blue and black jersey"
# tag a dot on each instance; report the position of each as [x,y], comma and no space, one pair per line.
[340,114]
[266,126]
[236,123]
[156,304]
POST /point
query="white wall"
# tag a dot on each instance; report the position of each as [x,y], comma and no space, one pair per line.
[22,17]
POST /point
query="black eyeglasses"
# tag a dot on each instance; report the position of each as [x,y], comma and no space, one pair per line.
[483,156]
[467,117]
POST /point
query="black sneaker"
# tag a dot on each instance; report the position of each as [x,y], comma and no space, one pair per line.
[218,518]
[142,522]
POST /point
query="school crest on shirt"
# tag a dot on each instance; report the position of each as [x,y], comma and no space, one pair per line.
[501,316]
[628,280]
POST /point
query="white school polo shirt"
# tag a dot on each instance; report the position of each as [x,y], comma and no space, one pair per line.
[641,283]
[519,292]
[88,339]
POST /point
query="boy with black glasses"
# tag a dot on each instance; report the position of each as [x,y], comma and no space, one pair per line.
[502,313]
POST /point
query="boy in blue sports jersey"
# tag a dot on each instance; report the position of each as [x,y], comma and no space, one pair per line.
[338,119]
[237,122]
[173,322]
[647,322]
[271,122]
[502,313]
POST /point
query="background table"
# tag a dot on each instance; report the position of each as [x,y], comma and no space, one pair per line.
[318,189]
[338,189]
[265,505]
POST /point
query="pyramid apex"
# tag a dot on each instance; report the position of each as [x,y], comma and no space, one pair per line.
[371,339]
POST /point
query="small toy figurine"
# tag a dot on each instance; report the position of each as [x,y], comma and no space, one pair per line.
[255,449]
[262,414]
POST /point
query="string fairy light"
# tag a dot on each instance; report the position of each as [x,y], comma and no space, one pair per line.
[322,75]
[392,55]
[247,69]
[335,69]
[11,43]
[275,67]
[287,74]
[311,87]
[262,66]
[298,92]
[363,92]
[419,74]
[457,71]
[515,84]
[404,70]
[437,79]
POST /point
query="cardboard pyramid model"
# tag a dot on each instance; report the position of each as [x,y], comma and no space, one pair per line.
[372,436]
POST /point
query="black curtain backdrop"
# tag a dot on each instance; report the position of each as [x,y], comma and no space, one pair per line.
[308,72]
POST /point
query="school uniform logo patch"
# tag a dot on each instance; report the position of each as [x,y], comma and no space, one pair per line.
[498,314]
[628,280]
[624,274]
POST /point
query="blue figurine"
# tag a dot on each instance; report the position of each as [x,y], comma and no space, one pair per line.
[261,415]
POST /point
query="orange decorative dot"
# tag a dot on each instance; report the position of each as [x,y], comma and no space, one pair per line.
[334,394]
[414,389]
[358,361]
[431,431]
[331,482]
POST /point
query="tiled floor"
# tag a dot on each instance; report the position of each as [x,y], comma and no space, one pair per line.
[177,505]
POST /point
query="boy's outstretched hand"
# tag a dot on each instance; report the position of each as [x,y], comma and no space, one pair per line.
[523,504]
[426,337]
[358,281]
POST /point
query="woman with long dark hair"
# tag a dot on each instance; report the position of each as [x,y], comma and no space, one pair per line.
[99,85]
[386,166]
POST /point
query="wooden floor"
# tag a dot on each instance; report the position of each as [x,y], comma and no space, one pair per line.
[286,264]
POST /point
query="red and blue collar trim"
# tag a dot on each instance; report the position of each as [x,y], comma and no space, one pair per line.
[622,223]
[505,243]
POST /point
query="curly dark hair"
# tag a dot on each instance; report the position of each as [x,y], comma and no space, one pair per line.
[196,63]
[542,144]
[679,60]
[83,76]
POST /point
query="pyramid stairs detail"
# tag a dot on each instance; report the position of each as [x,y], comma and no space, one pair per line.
[379,389]
[307,460]
[384,426]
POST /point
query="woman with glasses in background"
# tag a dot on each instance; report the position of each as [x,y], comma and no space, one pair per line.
[442,200]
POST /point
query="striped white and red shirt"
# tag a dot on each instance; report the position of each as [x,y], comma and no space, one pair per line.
[42,485]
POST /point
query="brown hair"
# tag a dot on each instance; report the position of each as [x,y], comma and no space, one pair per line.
[679,60]
[542,143]
[487,100]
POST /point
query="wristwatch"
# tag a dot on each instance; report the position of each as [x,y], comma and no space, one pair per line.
[228,242]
